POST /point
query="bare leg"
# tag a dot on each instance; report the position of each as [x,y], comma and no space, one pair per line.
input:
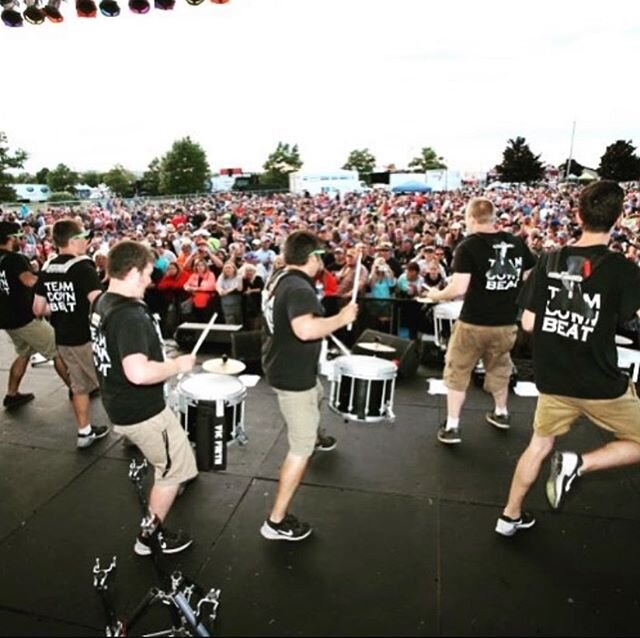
[161,499]
[455,401]
[61,369]
[81,404]
[614,454]
[526,473]
[16,373]
[500,398]
[291,474]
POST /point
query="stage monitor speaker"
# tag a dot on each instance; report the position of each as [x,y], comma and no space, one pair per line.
[246,346]
[218,339]
[405,353]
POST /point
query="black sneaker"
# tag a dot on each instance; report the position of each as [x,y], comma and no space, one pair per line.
[18,399]
[290,529]
[168,542]
[500,421]
[509,526]
[450,436]
[325,443]
[87,440]
[564,471]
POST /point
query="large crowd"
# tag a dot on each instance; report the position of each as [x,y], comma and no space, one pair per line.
[215,253]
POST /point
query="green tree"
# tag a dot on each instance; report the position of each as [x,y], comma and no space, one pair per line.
[62,179]
[428,160]
[574,169]
[120,181]
[151,178]
[41,175]
[8,160]
[361,160]
[620,162]
[24,178]
[184,169]
[91,178]
[62,196]
[284,160]
[519,164]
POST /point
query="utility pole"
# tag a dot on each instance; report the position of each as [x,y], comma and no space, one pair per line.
[573,134]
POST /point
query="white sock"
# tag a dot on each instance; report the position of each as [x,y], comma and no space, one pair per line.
[85,430]
[501,411]
[452,423]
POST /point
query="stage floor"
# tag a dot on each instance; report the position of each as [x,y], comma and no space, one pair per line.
[403,541]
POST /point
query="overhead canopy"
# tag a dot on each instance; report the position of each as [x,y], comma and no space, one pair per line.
[411,187]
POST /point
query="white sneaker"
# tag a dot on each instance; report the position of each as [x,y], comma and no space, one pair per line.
[508,526]
[564,471]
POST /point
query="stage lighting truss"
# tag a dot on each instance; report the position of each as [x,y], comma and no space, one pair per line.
[36,11]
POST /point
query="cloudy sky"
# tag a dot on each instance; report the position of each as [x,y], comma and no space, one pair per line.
[330,75]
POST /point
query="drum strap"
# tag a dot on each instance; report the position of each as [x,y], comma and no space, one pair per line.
[169,463]
[102,309]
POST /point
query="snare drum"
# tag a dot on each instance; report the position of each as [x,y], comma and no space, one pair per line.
[211,410]
[363,388]
[444,315]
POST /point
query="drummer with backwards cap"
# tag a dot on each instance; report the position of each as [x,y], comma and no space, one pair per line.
[295,327]
[488,269]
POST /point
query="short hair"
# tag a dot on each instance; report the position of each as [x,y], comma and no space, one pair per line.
[64,230]
[481,210]
[127,255]
[600,205]
[299,246]
[413,267]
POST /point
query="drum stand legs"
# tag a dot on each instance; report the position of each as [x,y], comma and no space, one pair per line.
[176,595]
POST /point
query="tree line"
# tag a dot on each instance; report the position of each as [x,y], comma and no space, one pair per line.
[184,169]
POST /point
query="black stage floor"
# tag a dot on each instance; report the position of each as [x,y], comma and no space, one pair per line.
[403,543]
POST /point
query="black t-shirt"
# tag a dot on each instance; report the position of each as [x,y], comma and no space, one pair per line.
[16,299]
[288,362]
[115,334]
[574,356]
[65,281]
[496,262]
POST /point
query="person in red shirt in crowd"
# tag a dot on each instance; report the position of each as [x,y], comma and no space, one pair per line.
[327,287]
[202,286]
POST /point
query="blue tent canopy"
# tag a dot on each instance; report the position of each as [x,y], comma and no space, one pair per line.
[411,187]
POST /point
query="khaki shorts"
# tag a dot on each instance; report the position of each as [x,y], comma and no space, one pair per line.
[165,445]
[36,337]
[468,344]
[79,362]
[556,414]
[301,412]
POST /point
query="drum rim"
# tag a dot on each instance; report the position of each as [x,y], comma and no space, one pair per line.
[385,369]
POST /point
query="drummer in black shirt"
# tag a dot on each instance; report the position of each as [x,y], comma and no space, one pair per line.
[489,266]
[68,283]
[295,328]
[573,302]
[131,367]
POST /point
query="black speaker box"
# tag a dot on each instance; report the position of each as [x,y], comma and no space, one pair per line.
[406,354]
[246,346]
[218,339]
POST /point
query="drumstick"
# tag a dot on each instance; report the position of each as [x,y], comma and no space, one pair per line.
[204,334]
[356,284]
[340,345]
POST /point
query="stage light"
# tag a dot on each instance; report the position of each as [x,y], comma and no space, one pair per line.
[52,11]
[109,8]
[139,6]
[33,14]
[86,8]
[164,5]
[10,15]
[194,3]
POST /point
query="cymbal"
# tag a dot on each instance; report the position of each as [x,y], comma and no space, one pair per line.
[374,346]
[623,341]
[224,366]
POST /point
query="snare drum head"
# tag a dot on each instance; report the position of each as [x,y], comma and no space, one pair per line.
[212,387]
[363,367]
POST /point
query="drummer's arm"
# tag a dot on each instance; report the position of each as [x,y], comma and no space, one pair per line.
[528,320]
[455,288]
[311,328]
[140,370]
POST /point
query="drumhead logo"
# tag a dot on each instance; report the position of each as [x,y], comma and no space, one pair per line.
[503,273]
[568,324]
